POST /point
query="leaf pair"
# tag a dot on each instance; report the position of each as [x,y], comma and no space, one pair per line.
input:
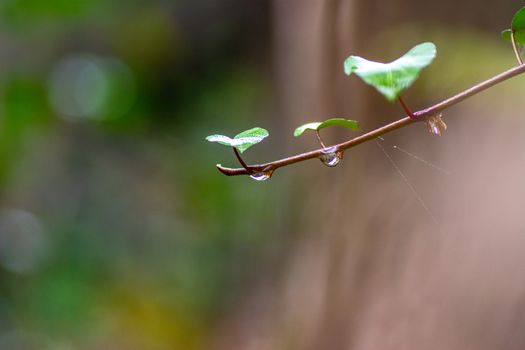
[243,140]
[390,79]
[517,27]
[316,126]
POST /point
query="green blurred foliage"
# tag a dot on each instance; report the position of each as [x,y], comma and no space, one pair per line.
[105,106]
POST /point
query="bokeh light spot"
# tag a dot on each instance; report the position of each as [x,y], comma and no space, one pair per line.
[23,243]
[91,87]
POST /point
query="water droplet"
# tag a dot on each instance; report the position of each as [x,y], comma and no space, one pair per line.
[262,176]
[436,125]
[331,156]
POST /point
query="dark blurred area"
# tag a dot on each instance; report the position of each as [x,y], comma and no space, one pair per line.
[117,231]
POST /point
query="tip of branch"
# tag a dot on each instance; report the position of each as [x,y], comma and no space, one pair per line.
[230,171]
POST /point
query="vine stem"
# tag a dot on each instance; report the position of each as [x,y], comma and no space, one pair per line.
[515,47]
[318,135]
[243,163]
[407,110]
[371,135]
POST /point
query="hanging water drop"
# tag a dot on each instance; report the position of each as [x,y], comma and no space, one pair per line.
[331,156]
[262,176]
[330,159]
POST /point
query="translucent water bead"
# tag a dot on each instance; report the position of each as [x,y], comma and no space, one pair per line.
[262,176]
[331,156]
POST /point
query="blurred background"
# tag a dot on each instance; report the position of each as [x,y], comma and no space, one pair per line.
[117,231]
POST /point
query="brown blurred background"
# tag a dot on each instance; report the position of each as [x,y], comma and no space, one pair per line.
[117,232]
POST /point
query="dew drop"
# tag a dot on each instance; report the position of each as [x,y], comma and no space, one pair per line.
[330,160]
[262,176]
[331,156]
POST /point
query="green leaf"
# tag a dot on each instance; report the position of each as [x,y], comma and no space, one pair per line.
[241,141]
[518,21]
[518,26]
[390,79]
[347,123]
[519,36]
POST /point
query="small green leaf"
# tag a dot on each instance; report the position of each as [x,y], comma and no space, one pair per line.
[505,34]
[518,21]
[241,141]
[519,36]
[390,79]
[347,123]
[518,26]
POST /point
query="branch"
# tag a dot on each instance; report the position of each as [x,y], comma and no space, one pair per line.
[418,116]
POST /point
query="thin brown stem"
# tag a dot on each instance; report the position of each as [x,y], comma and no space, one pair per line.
[417,116]
[515,47]
[319,138]
[405,108]
[239,158]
